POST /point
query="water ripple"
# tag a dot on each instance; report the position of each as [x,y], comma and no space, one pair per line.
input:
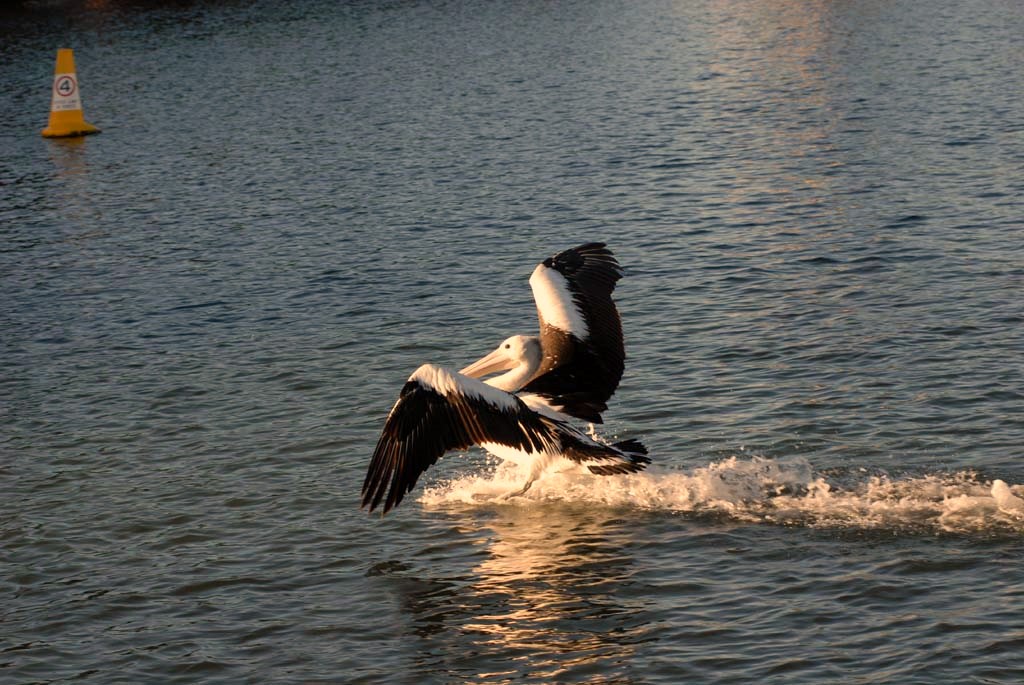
[209,308]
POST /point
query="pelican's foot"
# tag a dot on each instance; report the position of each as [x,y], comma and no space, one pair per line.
[518,493]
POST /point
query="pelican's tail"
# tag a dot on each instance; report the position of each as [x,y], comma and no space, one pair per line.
[628,456]
[633,447]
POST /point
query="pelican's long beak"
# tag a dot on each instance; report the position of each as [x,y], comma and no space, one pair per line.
[495,361]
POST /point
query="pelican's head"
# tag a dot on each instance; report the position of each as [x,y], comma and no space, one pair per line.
[519,350]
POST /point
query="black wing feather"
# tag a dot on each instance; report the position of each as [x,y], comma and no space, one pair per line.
[424,424]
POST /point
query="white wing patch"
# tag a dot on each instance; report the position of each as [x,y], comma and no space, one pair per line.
[448,383]
[544,406]
[554,302]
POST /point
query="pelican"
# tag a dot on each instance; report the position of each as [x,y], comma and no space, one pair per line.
[523,415]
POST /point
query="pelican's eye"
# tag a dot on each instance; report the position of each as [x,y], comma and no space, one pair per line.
[507,346]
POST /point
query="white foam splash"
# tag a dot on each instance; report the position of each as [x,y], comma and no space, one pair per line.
[783,492]
[1005,499]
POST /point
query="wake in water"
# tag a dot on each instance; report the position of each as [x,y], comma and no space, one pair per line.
[782,492]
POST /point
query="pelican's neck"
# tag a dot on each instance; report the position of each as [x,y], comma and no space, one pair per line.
[515,379]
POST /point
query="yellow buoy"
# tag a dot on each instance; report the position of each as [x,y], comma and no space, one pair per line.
[66,117]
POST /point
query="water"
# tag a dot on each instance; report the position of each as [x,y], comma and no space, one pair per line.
[209,308]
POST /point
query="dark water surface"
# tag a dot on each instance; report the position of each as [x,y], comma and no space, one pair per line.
[208,309]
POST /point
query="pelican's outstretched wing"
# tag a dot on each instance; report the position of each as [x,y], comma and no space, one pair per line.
[439,410]
[580,330]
